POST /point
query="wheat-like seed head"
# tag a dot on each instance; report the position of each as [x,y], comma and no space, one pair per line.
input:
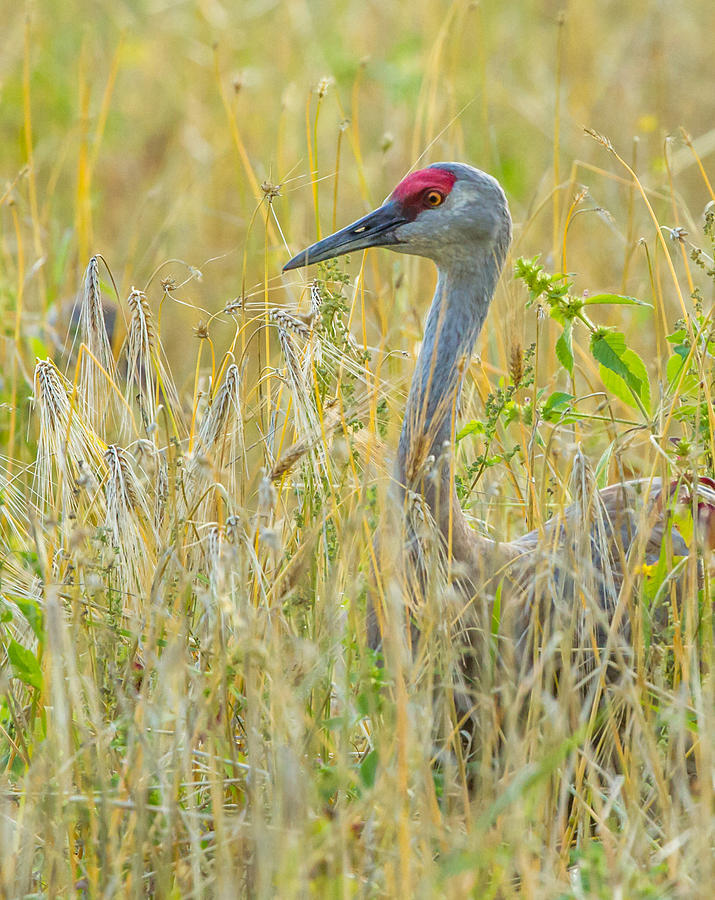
[233,306]
[266,498]
[92,325]
[285,321]
[148,378]
[140,378]
[297,376]
[516,364]
[316,299]
[224,407]
[129,523]
[66,441]
[121,490]
[219,451]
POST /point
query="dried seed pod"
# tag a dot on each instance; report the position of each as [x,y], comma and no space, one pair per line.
[516,364]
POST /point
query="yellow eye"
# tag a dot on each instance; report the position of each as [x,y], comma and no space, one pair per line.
[433,198]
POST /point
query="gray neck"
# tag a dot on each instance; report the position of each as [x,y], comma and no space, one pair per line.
[459,308]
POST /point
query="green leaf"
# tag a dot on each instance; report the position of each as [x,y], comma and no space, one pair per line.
[511,413]
[674,370]
[614,299]
[623,389]
[564,348]
[607,348]
[556,405]
[677,337]
[32,612]
[610,350]
[601,471]
[25,665]
[616,386]
[473,427]
[368,769]
[636,368]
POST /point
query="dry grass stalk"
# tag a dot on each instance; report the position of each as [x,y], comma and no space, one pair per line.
[241,739]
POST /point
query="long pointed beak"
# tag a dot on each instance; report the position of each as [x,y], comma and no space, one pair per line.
[377,229]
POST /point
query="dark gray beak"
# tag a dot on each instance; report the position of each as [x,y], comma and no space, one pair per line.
[377,229]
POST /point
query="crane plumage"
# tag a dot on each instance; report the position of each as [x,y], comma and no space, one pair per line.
[458,217]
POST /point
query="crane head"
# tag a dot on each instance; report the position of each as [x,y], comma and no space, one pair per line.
[443,212]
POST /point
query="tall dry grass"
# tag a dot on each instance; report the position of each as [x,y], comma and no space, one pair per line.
[187,703]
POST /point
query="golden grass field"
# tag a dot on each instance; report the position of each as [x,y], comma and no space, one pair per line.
[188,707]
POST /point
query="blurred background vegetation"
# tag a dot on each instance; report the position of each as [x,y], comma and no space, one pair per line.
[143,130]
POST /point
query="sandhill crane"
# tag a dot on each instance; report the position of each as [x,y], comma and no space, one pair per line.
[458,217]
